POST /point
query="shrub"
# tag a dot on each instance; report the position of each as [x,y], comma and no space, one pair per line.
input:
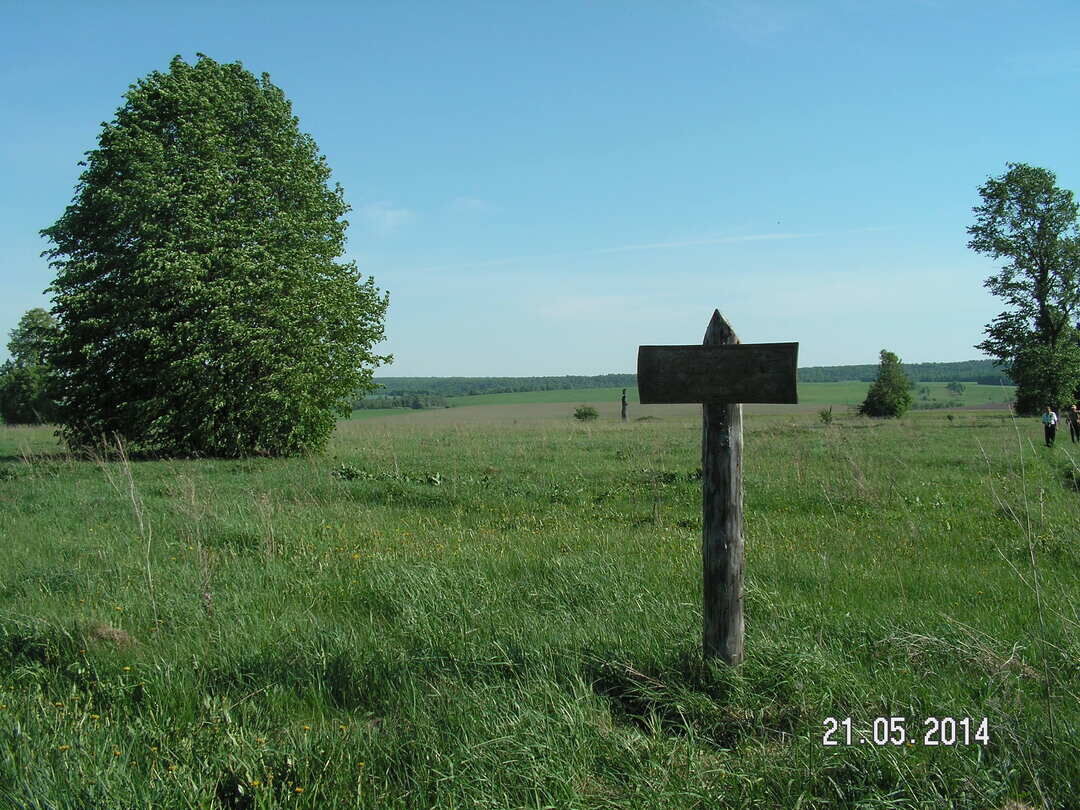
[586,413]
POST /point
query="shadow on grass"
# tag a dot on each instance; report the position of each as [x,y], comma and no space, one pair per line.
[694,698]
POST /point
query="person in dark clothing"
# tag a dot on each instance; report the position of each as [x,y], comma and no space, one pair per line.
[1049,420]
[1074,424]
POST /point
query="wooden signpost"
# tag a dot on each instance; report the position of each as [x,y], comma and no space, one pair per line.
[720,374]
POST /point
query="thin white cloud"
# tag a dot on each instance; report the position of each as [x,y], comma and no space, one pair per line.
[718,240]
[384,217]
[756,20]
[721,240]
[471,205]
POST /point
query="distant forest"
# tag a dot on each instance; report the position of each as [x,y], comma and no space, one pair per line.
[421,392]
[983,372]
[468,386]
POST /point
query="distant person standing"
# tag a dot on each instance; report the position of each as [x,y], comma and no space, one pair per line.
[624,405]
[1074,424]
[1049,420]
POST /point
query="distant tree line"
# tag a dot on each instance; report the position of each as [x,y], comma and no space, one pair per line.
[470,386]
[397,389]
[414,401]
[983,372]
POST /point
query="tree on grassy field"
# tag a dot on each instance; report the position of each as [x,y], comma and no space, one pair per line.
[24,395]
[203,308]
[1027,220]
[890,393]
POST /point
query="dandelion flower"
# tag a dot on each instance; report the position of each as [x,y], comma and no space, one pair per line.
[63,748]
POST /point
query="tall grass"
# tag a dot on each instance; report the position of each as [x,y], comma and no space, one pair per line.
[508,616]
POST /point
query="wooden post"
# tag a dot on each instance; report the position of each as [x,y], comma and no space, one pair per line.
[721,517]
[720,374]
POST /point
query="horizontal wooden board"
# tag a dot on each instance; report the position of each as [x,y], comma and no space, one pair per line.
[746,372]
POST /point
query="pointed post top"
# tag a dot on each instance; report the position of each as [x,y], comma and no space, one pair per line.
[719,332]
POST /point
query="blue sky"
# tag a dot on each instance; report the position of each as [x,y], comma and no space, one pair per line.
[543,186]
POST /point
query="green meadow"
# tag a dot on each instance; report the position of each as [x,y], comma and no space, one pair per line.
[451,610]
[838,393]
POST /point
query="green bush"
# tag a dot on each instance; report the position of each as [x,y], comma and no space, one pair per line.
[586,413]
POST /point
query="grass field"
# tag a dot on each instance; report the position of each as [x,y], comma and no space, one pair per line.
[841,393]
[452,609]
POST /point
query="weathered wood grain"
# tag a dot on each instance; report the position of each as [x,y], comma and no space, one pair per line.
[721,532]
[716,373]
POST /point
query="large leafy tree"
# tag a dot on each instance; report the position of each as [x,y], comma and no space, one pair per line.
[24,395]
[1027,220]
[202,302]
[890,393]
